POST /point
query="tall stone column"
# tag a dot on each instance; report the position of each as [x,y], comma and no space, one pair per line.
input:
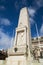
[23,33]
[20,53]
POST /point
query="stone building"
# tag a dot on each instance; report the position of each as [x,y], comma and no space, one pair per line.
[38,44]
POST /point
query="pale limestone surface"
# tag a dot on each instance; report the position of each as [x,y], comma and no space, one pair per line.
[16,60]
[22,41]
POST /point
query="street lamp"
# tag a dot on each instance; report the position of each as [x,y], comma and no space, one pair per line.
[37,34]
[38,41]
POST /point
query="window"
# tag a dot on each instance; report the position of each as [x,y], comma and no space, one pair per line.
[41,54]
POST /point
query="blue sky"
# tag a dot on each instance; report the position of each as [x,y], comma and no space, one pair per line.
[9,15]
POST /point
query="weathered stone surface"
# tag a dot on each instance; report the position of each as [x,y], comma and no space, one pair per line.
[20,53]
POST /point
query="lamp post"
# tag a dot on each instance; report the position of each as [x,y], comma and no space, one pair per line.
[38,42]
[37,34]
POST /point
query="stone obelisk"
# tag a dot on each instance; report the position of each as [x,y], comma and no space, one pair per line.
[23,34]
[20,54]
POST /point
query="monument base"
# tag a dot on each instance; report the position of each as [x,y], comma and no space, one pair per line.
[16,60]
[21,60]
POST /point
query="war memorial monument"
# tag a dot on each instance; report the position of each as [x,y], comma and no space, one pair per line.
[21,52]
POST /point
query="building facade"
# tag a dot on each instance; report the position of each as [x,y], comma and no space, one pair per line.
[38,43]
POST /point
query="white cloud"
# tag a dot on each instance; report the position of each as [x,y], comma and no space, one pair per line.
[5,40]
[4,21]
[2,8]
[39,2]
[31,21]
[31,12]
[41,30]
